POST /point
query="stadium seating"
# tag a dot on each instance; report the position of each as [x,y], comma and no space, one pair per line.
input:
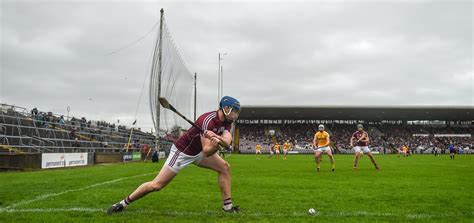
[386,138]
[21,131]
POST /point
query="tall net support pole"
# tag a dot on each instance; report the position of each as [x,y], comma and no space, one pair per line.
[155,85]
[160,47]
[170,78]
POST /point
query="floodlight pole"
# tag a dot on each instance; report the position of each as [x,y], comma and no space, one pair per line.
[68,110]
[219,79]
[222,80]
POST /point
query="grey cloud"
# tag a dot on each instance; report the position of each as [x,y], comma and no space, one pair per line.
[55,54]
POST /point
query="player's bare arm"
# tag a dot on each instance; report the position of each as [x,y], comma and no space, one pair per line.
[209,145]
[364,138]
[225,139]
[211,141]
[315,142]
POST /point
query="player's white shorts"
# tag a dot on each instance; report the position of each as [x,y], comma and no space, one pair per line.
[323,149]
[285,151]
[364,149]
[177,160]
[258,152]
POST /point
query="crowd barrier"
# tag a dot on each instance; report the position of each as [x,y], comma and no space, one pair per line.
[32,161]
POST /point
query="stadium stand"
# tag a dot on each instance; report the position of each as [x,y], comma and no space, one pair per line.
[385,138]
[38,132]
[299,125]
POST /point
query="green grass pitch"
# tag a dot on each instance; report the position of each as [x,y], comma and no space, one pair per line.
[421,188]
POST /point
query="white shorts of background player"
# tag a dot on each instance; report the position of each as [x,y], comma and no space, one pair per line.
[364,149]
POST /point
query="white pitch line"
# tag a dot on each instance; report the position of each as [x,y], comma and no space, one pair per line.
[44,196]
[53,210]
[249,214]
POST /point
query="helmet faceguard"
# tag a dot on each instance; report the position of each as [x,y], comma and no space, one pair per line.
[230,102]
[321,127]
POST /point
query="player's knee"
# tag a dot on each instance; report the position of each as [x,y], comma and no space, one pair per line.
[225,168]
[156,186]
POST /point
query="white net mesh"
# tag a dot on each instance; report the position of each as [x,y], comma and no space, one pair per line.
[177,84]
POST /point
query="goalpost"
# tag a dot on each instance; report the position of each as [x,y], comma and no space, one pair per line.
[169,78]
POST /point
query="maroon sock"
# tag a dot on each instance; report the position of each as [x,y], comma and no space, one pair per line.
[227,201]
[127,201]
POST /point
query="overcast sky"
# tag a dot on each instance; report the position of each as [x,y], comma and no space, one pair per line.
[56,53]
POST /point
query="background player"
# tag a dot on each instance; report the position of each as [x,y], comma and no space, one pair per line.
[321,145]
[405,150]
[258,150]
[361,139]
[286,148]
[199,149]
[272,151]
[452,151]
[277,149]
[402,151]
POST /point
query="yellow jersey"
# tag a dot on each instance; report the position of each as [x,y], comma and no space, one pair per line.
[277,147]
[258,147]
[286,146]
[322,138]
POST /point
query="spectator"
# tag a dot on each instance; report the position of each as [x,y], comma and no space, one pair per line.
[72,134]
[83,123]
[34,112]
[76,144]
[61,120]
